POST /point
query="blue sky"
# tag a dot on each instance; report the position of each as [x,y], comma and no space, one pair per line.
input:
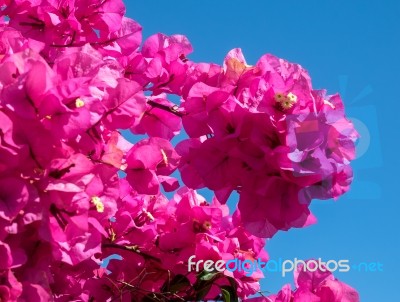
[351,47]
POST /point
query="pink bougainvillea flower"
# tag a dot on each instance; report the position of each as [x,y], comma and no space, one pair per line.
[73,239]
[317,286]
[67,23]
[322,286]
[284,295]
[268,210]
[195,119]
[22,90]
[12,41]
[147,159]
[10,287]
[167,66]
[207,73]
[157,122]
[5,256]
[74,191]
[35,292]
[266,121]
[11,153]
[125,105]
[15,194]
[234,68]
[123,42]
[103,16]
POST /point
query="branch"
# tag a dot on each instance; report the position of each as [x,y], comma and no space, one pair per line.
[132,248]
[173,109]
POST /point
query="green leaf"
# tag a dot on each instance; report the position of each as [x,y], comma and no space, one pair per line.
[230,293]
[204,283]
[207,276]
[226,295]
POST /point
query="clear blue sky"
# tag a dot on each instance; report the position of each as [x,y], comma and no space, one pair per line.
[352,47]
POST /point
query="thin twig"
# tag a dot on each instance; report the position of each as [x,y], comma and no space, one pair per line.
[173,109]
[131,248]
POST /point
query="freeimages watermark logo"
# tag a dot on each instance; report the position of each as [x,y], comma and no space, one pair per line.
[283,266]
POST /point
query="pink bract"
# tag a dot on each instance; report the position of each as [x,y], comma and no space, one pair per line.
[74,191]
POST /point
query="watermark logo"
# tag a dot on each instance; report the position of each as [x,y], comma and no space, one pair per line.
[283,266]
[368,267]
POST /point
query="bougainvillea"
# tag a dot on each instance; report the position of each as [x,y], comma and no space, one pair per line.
[83,212]
[316,286]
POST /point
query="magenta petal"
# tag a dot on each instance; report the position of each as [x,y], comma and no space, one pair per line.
[310,280]
[303,295]
[34,292]
[330,290]
[5,256]
[143,181]
[144,157]
[14,195]
[271,210]
[169,183]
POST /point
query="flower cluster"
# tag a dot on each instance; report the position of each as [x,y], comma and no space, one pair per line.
[156,238]
[83,211]
[316,286]
[263,131]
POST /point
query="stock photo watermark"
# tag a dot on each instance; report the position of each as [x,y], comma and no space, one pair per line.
[283,266]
